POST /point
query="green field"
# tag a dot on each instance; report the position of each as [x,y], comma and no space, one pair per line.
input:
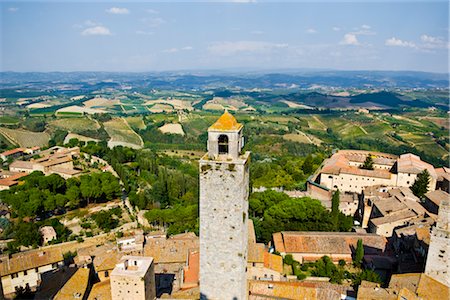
[75,125]
[121,133]
[136,122]
[8,120]
[25,138]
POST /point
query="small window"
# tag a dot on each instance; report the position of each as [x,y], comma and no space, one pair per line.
[14,275]
[106,274]
[36,270]
[223,144]
[25,273]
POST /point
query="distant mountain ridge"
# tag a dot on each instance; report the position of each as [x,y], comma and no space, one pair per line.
[204,79]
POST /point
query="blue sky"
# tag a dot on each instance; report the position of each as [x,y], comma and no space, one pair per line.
[156,36]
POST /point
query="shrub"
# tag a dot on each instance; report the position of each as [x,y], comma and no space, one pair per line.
[341,262]
[288,259]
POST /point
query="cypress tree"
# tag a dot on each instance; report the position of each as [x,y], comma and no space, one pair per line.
[335,210]
[420,185]
[368,163]
[359,253]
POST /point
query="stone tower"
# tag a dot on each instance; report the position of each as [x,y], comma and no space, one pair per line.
[438,258]
[224,187]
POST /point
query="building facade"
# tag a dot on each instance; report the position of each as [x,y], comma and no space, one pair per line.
[438,260]
[343,171]
[133,278]
[224,188]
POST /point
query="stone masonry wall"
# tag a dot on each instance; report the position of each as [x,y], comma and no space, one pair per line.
[224,188]
[438,258]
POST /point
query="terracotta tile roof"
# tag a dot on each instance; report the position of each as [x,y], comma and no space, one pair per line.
[29,260]
[408,280]
[430,288]
[278,242]
[290,290]
[76,287]
[424,234]
[226,123]
[17,176]
[7,182]
[372,291]
[101,291]
[256,253]
[340,163]
[12,151]
[57,161]
[410,163]
[273,262]
[171,250]
[191,271]
[397,216]
[328,242]
[437,196]
[21,164]
[443,173]
[107,260]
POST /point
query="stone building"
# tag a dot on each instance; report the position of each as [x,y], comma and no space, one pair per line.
[224,188]
[133,278]
[309,246]
[48,234]
[24,269]
[343,171]
[438,260]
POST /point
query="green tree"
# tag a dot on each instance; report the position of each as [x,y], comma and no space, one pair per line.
[307,165]
[368,163]
[359,253]
[420,185]
[335,209]
[367,275]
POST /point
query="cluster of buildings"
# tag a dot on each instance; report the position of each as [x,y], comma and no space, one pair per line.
[399,232]
[55,160]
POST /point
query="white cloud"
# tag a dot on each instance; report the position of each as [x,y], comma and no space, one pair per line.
[13,9]
[96,30]
[335,28]
[230,48]
[171,50]
[118,11]
[350,39]
[152,11]
[433,42]
[154,22]
[175,50]
[367,27]
[311,31]
[395,42]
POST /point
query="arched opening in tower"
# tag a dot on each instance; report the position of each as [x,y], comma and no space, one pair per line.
[223,144]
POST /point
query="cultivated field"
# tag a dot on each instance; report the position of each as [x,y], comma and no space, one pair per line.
[79,137]
[25,138]
[172,128]
[75,109]
[136,122]
[74,124]
[100,101]
[175,103]
[159,107]
[122,134]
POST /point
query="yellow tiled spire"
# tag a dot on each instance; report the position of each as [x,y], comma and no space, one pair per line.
[226,123]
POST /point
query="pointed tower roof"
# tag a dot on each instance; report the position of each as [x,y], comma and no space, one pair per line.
[226,123]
